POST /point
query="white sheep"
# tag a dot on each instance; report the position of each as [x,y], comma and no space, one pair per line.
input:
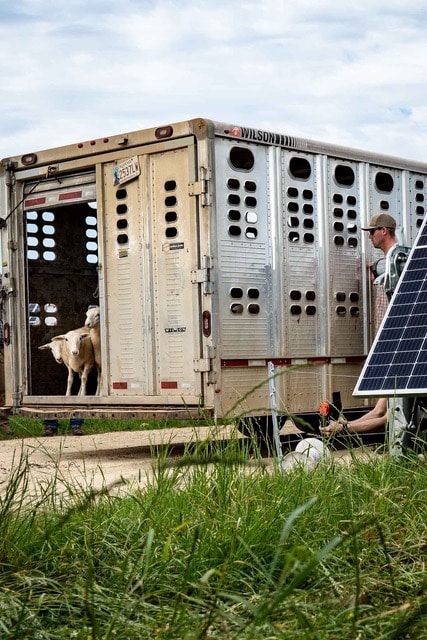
[92,323]
[75,350]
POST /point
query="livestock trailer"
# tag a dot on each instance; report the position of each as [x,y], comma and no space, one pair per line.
[211,249]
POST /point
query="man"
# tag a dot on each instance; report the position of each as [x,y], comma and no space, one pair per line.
[51,427]
[387,271]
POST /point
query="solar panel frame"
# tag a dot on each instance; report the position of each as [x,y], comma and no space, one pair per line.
[397,362]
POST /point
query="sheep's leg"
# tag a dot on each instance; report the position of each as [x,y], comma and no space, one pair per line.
[99,380]
[70,381]
[84,375]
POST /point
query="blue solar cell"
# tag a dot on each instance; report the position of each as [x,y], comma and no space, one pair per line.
[397,362]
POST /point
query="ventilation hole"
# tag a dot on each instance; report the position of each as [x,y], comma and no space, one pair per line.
[250,201]
[300,168]
[293,236]
[234,230]
[420,211]
[48,229]
[91,221]
[251,233]
[352,242]
[253,309]
[121,208]
[355,312]
[121,194]
[91,247]
[32,228]
[33,255]
[234,215]
[170,201]
[338,213]
[293,221]
[292,192]
[295,294]
[339,227]
[170,185]
[251,217]
[309,238]
[419,184]
[236,292]
[384,205]
[310,310]
[351,227]
[253,294]
[170,216]
[236,308]
[171,232]
[232,183]
[341,311]
[32,241]
[354,296]
[384,181]
[50,243]
[351,214]
[250,186]
[310,295]
[337,198]
[242,158]
[351,201]
[92,258]
[307,194]
[295,310]
[233,199]
[92,233]
[34,321]
[293,207]
[308,208]
[344,175]
[48,216]
[339,241]
[340,296]
[308,223]
[31,215]
[419,197]
[122,224]
[49,256]
[122,238]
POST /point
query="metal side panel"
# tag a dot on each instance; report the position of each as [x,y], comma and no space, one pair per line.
[345,272]
[151,249]
[243,221]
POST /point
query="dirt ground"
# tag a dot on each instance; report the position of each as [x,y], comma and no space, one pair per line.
[119,460]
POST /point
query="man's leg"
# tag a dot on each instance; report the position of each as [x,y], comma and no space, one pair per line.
[76,426]
[50,427]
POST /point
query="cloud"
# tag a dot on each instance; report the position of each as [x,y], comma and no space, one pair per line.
[351,73]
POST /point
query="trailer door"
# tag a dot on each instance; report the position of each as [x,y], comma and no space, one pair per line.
[152,300]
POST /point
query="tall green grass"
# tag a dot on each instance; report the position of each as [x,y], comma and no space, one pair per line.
[219,546]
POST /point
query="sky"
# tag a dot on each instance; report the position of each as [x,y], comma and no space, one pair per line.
[348,73]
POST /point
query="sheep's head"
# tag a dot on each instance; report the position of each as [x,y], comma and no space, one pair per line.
[92,317]
[55,347]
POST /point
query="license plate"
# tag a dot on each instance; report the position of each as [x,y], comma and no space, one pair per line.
[125,171]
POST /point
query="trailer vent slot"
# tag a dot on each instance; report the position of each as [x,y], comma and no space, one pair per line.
[242,158]
[233,230]
[253,309]
[296,310]
[253,294]
[299,168]
[234,215]
[250,186]
[121,209]
[308,208]
[121,194]
[233,183]
[344,175]
[233,199]
[384,205]
[236,308]
[384,182]
[337,198]
[251,233]
[170,185]
[250,201]
[236,292]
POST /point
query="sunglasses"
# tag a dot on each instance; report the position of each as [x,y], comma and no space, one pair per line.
[372,231]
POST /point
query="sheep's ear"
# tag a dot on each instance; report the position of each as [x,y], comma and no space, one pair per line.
[44,346]
[85,335]
[58,338]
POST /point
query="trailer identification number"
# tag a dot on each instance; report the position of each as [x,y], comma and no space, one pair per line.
[125,171]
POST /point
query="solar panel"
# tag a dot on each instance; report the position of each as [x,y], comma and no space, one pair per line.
[397,361]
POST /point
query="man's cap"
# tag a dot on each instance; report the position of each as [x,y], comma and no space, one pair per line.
[381,220]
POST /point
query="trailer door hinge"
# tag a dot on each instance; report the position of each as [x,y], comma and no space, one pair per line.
[203,275]
[203,365]
[200,187]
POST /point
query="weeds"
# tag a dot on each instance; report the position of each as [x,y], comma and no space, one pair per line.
[220,548]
